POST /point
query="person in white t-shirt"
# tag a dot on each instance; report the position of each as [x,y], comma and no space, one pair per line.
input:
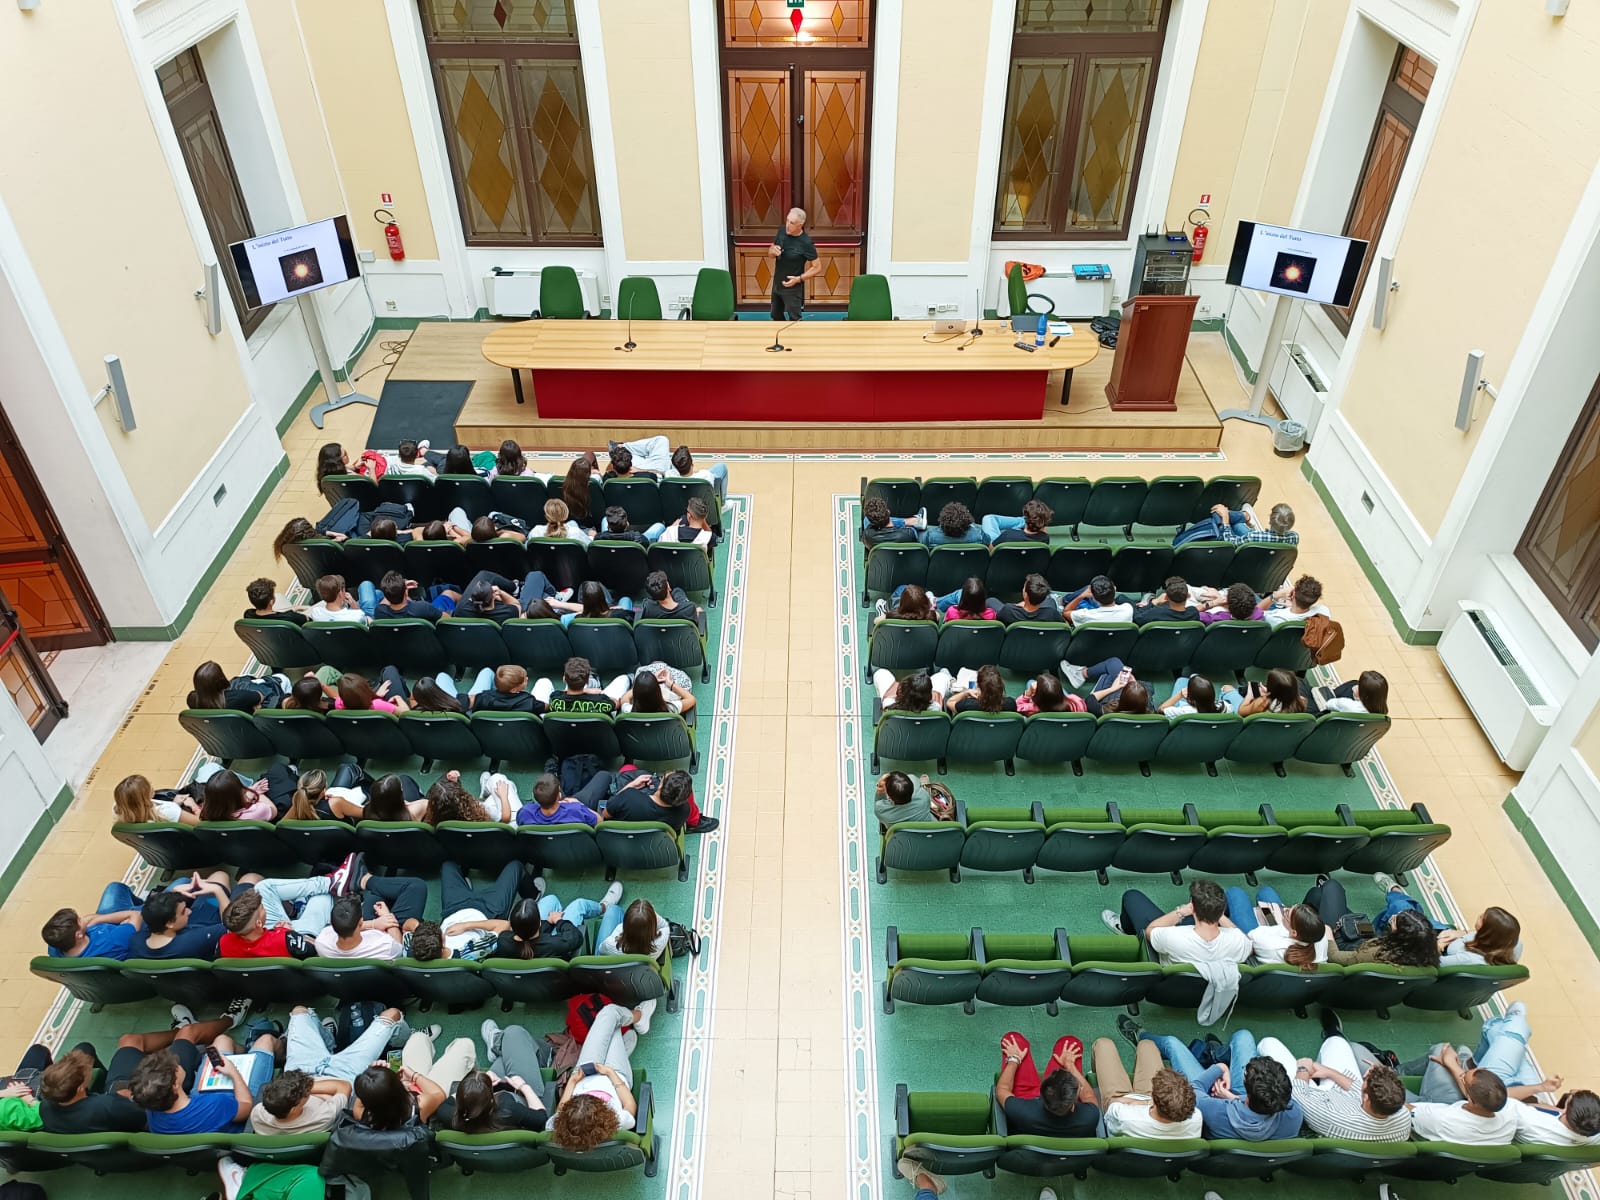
[1486,1117]
[334,603]
[598,1100]
[1573,1120]
[1369,693]
[1196,932]
[1157,1102]
[1279,933]
[1104,608]
[348,936]
[1295,602]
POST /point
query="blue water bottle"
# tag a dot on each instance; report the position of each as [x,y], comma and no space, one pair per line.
[1044,327]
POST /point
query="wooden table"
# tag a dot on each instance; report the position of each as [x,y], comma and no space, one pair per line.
[883,371]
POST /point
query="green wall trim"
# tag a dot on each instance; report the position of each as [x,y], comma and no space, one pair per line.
[1587,924]
[1238,353]
[165,633]
[1206,325]
[297,405]
[1412,637]
[33,841]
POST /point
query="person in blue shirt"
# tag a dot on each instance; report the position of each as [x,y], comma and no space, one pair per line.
[1250,1097]
[157,1086]
[105,934]
[550,807]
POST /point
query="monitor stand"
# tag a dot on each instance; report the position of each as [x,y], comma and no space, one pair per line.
[330,383]
[1256,414]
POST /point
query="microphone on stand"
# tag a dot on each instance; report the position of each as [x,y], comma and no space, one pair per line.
[630,345]
[977,325]
[777,345]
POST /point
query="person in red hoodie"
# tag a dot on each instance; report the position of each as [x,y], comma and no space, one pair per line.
[258,923]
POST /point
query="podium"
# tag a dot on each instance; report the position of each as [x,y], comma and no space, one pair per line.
[1150,347]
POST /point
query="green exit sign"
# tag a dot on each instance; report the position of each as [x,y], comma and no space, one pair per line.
[797,3]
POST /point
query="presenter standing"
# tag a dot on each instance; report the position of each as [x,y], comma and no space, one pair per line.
[797,262]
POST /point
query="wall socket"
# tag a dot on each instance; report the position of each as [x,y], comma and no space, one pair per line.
[366,256]
[948,307]
[933,310]
[222,491]
[390,306]
[1366,501]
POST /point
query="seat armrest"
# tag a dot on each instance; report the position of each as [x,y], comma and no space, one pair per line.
[976,948]
[1190,815]
[1113,812]
[1421,810]
[891,950]
[902,1110]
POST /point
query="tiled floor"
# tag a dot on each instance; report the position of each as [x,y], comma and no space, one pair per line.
[775,1116]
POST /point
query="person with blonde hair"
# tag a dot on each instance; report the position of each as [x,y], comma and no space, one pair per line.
[559,523]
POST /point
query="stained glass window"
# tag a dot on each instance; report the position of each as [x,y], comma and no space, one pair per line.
[1113,117]
[1561,546]
[1030,160]
[500,20]
[1088,16]
[557,133]
[824,23]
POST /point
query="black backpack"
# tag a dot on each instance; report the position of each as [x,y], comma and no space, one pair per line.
[344,517]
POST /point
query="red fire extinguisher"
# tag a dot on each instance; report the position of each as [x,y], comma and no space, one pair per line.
[1201,232]
[391,234]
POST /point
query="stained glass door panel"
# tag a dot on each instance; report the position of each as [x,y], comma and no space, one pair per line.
[823,24]
[477,122]
[1040,93]
[835,131]
[1113,111]
[759,129]
[558,142]
[752,273]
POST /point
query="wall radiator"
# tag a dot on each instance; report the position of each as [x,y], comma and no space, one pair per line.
[1508,702]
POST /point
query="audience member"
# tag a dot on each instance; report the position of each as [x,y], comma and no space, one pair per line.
[1368,693]
[1238,603]
[662,600]
[1038,603]
[1242,525]
[263,597]
[1032,526]
[1295,602]
[316,1083]
[878,527]
[598,1099]
[1296,935]
[550,806]
[956,527]
[1171,603]
[1341,1099]
[1062,1105]
[583,694]
[683,467]
[135,802]
[695,526]
[1279,694]
[1156,1103]
[1097,604]
[983,690]
[463,930]
[1253,1101]
[177,1101]
[917,692]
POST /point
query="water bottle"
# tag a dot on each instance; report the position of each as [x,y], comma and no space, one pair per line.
[1044,327]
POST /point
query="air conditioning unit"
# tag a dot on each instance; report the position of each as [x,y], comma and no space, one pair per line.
[1302,392]
[1509,704]
[516,293]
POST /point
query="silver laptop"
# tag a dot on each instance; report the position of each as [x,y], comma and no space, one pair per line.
[948,325]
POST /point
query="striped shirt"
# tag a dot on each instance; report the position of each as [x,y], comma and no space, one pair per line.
[1334,1111]
[1291,538]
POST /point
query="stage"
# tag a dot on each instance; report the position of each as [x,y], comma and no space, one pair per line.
[441,350]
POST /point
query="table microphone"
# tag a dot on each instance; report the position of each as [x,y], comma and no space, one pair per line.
[630,345]
[778,345]
[977,325]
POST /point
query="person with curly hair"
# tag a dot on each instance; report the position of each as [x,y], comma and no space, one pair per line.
[1157,1102]
[598,1099]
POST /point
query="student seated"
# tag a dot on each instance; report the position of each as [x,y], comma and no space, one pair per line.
[394,798]
[654,690]
[983,690]
[1038,603]
[582,694]
[1198,932]
[355,693]
[878,527]
[463,930]
[106,933]
[383,529]
[683,467]
[956,527]
[504,689]
[662,600]
[622,466]
[408,459]
[490,1102]
[1156,1103]
[550,806]
[1250,1098]
[900,798]
[1295,602]
[695,527]
[1097,604]
[165,1089]
[185,921]
[1296,935]
[637,796]
[349,936]
[229,796]
[1062,1105]
[1032,526]
[1410,941]
[259,924]
[1496,939]
[1238,603]
[298,529]
[488,597]
[316,1083]
[1279,694]
[1171,603]
[263,597]
[910,603]
[545,928]
[592,601]
[1367,693]
[334,603]
[560,523]
[318,798]
[1474,1107]
[575,494]
[969,603]
[448,800]
[509,460]
[1197,694]
[1345,1097]
[213,689]
[1046,695]
[1242,525]
[616,528]
[917,692]
[598,1099]
[1115,689]
[401,599]
[135,802]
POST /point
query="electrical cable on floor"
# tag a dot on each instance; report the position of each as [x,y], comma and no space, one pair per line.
[391,355]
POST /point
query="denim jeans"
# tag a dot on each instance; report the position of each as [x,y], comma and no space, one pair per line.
[308,1049]
[117,897]
[367,597]
[1241,1049]
[577,912]
[937,537]
[1242,910]
[610,921]
[1228,697]
[493,900]
[1503,1047]
[315,903]
[1212,528]
[483,682]
[993,527]
[1396,903]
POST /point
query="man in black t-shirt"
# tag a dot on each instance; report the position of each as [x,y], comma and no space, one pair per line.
[263,594]
[1171,604]
[651,798]
[509,693]
[1062,1105]
[662,600]
[489,596]
[1038,603]
[398,600]
[579,697]
[797,262]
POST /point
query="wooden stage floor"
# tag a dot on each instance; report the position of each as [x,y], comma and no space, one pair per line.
[441,350]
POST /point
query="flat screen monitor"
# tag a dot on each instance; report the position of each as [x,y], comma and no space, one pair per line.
[1321,267]
[292,262]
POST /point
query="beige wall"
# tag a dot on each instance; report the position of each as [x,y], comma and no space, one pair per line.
[651,84]
[1516,145]
[294,97]
[81,149]
[1587,743]
[1259,82]
[944,46]
[353,65]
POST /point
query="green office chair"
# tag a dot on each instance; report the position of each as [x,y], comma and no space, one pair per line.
[638,300]
[713,296]
[869,299]
[1016,291]
[560,298]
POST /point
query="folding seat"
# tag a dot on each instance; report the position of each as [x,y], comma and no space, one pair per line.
[1234,1158]
[1401,841]
[902,495]
[940,490]
[1012,562]
[1108,971]
[1279,987]
[1002,495]
[657,738]
[640,499]
[640,846]
[1181,986]
[1151,1158]
[163,844]
[313,558]
[626,979]
[1097,642]
[676,642]
[1460,989]
[1164,647]
[342,644]
[1129,738]
[416,491]
[248,845]
[910,737]
[892,565]
[1159,840]
[1378,987]
[920,846]
[317,842]
[1067,498]
[1286,648]
[103,1153]
[1319,842]
[1204,564]
[225,734]
[1235,491]
[431,563]
[480,845]
[95,981]
[1271,738]
[597,496]
[507,1151]
[298,734]
[582,733]
[900,646]
[607,642]
[469,493]
[1343,738]
[1238,842]
[1061,737]
[968,644]
[1138,568]
[277,645]
[1446,1162]
[676,492]
[982,737]
[1542,1164]
[472,643]
[558,847]
[350,979]
[407,846]
[620,566]
[359,488]
[687,566]
[441,737]
[1039,1156]
[511,737]
[370,559]
[948,1132]
[1264,566]
[452,982]
[366,736]
[1229,648]
[1002,837]
[950,566]
[1021,970]
[932,968]
[527,980]
[189,981]
[1169,503]
[502,555]
[1034,646]
[522,497]
[624,1150]
[1341,1158]
[1073,566]
[1115,502]
[265,980]
[410,643]
[191,1152]
[1081,839]
[540,646]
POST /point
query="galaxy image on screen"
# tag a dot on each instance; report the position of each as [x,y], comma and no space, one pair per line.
[1292,272]
[302,270]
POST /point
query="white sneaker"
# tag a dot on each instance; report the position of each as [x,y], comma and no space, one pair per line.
[1050,1194]
[881,606]
[1112,920]
[1073,673]
[646,1009]
[1387,882]
[424,446]
[433,1032]
[182,1015]
[539,886]
[1250,515]
[564,594]
[232,1175]
[491,1031]
[1207,1196]
[485,783]
[613,893]
[910,1168]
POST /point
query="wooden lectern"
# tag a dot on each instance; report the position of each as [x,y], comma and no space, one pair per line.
[1150,346]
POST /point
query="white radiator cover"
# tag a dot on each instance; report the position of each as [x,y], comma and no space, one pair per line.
[1508,703]
[516,293]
